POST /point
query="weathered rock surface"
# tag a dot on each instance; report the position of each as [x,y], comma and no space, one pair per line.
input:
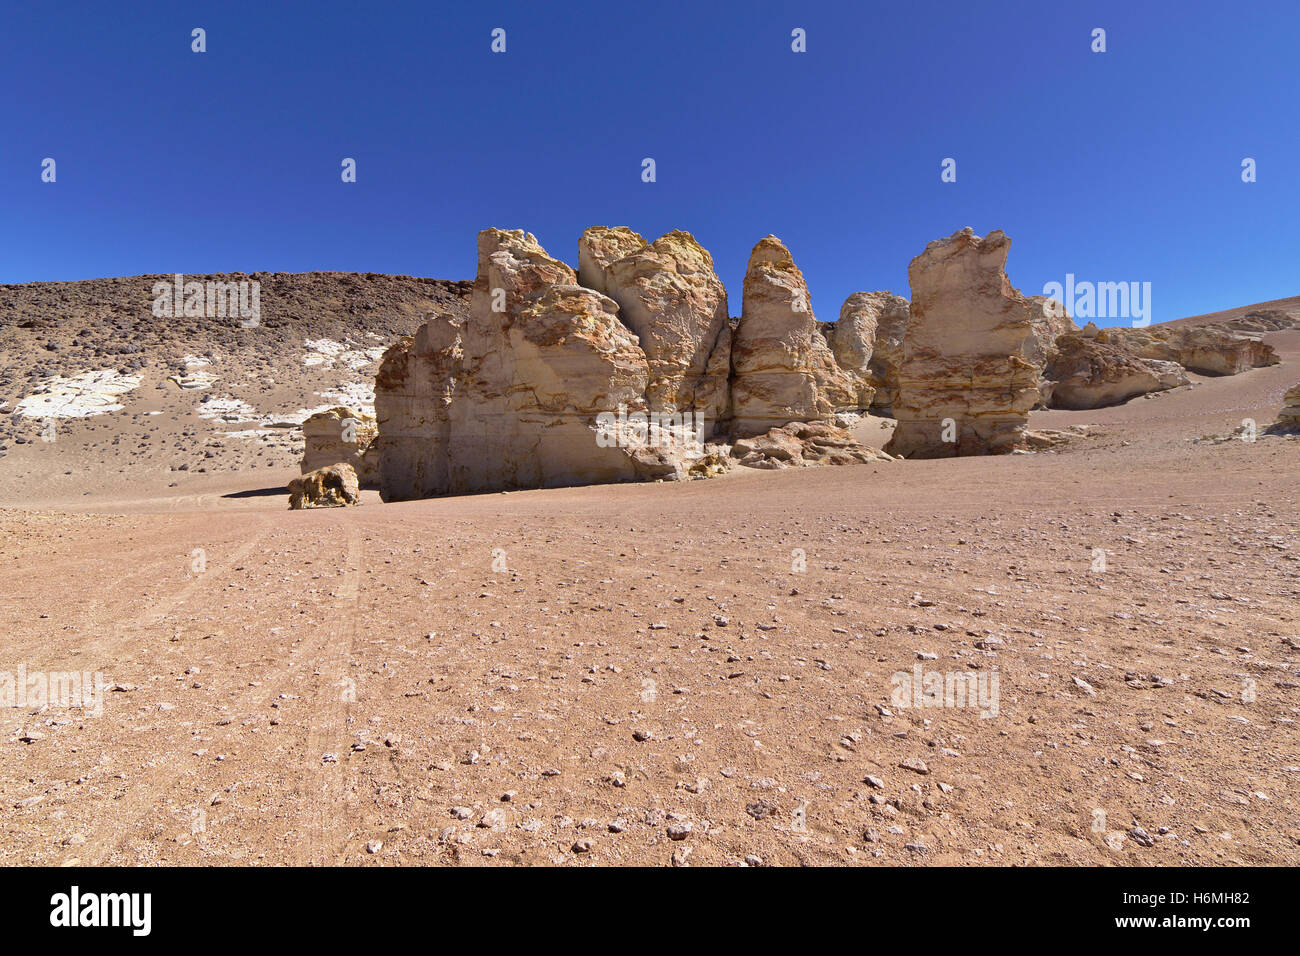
[800,444]
[669,295]
[511,398]
[1264,320]
[1288,420]
[1092,372]
[867,341]
[342,435]
[964,374]
[333,487]
[782,368]
[599,248]
[1208,349]
[1214,350]
[1050,320]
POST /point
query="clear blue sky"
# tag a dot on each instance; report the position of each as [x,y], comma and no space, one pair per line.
[1116,167]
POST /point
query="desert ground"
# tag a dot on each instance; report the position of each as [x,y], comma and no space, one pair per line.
[694,673]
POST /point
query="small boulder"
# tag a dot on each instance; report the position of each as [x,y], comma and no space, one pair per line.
[335,486]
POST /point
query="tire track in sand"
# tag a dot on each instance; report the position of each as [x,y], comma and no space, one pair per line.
[325,835]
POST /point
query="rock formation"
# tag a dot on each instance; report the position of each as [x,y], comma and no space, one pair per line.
[782,369]
[1264,320]
[867,341]
[1050,321]
[1090,372]
[1288,420]
[511,398]
[601,246]
[669,295]
[626,369]
[964,384]
[1208,349]
[333,487]
[342,435]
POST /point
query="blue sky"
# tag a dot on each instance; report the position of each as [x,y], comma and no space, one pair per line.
[1120,166]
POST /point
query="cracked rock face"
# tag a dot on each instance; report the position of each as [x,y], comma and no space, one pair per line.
[965,385]
[601,246]
[782,368]
[1051,320]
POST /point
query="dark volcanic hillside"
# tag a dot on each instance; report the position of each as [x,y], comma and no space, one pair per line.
[109,322]
[70,346]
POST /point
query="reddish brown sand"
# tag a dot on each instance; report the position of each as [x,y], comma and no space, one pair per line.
[650,680]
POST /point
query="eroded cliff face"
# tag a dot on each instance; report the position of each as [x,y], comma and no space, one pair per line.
[965,386]
[414,390]
[512,397]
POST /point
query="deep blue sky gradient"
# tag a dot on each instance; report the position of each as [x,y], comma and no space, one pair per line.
[1117,166]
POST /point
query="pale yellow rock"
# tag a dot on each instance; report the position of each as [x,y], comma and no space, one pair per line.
[414,389]
[669,295]
[333,487]
[1265,320]
[800,444]
[867,341]
[342,435]
[1050,321]
[1093,373]
[1288,420]
[1209,349]
[782,368]
[514,397]
[964,375]
[599,247]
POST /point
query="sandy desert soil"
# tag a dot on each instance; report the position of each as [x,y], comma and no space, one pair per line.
[646,674]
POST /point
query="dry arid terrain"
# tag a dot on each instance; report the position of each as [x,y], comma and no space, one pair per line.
[668,673]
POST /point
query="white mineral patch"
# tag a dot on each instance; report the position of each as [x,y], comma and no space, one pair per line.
[358,395]
[78,396]
[326,353]
[228,410]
